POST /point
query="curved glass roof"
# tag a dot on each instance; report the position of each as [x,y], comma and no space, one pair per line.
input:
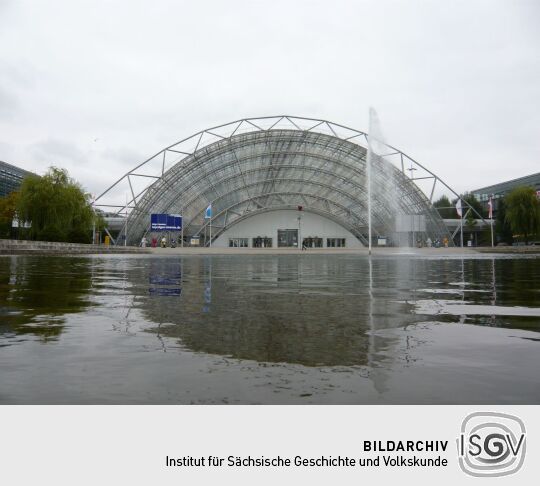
[258,169]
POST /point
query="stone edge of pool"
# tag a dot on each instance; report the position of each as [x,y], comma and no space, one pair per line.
[24,247]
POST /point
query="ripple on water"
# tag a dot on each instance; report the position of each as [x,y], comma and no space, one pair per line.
[269,329]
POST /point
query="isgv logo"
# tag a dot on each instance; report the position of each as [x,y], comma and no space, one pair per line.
[491,444]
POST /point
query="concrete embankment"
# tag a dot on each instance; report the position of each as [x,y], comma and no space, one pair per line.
[25,247]
[521,250]
[319,251]
[427,252]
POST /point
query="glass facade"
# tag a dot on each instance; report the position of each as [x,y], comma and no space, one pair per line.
[238,242]
[262,242]
[498,191]
[278,169]
[11,178]
[255,165]
[335,242]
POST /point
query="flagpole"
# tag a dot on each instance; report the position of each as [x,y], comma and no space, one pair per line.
[208,215]
[461,219]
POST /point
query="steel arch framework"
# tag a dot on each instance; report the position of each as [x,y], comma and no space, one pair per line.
[255,165]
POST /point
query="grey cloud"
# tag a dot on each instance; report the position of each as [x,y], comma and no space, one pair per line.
[8,104]
[56,152]
[124,155]
[457,85]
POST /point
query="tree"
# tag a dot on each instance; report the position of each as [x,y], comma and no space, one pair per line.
[523,212]
[474,203]
[56,207]
[502,226]
[470,220]
[445,208]
[8,209]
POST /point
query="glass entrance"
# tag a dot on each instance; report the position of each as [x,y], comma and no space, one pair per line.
[262,242]
[287,238]
[312,242]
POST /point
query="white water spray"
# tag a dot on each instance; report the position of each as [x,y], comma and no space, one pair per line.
[380,177]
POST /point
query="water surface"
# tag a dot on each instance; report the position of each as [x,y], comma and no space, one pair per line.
[294,328]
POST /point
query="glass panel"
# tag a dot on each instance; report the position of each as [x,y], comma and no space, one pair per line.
[288,238]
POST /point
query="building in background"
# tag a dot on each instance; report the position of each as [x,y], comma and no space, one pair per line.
[279,181]
[500,190]
[11,178]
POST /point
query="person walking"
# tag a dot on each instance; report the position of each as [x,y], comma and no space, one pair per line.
[143,242]
[163,242]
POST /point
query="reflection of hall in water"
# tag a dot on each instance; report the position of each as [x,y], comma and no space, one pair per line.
[306,310]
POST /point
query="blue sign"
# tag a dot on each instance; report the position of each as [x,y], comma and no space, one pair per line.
[165,222]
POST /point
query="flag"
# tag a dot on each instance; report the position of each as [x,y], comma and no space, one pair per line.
[458,208]
[490,206]
[208,212]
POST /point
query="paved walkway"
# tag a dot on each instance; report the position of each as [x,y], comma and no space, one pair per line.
[325,251]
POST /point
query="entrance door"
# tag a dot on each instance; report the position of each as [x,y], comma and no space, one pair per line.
[287,238]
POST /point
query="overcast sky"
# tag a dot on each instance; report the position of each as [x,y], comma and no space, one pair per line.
[98,86]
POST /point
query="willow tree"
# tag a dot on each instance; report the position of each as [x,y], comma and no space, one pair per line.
[56,207]
[8,210]
[523,212]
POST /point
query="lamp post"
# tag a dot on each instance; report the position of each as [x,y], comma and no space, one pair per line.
[299,243]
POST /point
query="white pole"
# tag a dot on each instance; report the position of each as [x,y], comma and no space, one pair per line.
[182,229]
[210,232]
[413,236]
[299,243]
[461,219]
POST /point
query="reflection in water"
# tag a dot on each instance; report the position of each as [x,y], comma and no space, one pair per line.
[36,294]
[314,309]
[165,280]
[342,317]
[320,311]
[308,311]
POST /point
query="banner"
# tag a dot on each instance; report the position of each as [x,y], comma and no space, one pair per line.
[459,208]
[165,222]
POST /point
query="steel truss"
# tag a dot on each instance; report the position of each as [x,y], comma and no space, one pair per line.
[264,164]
